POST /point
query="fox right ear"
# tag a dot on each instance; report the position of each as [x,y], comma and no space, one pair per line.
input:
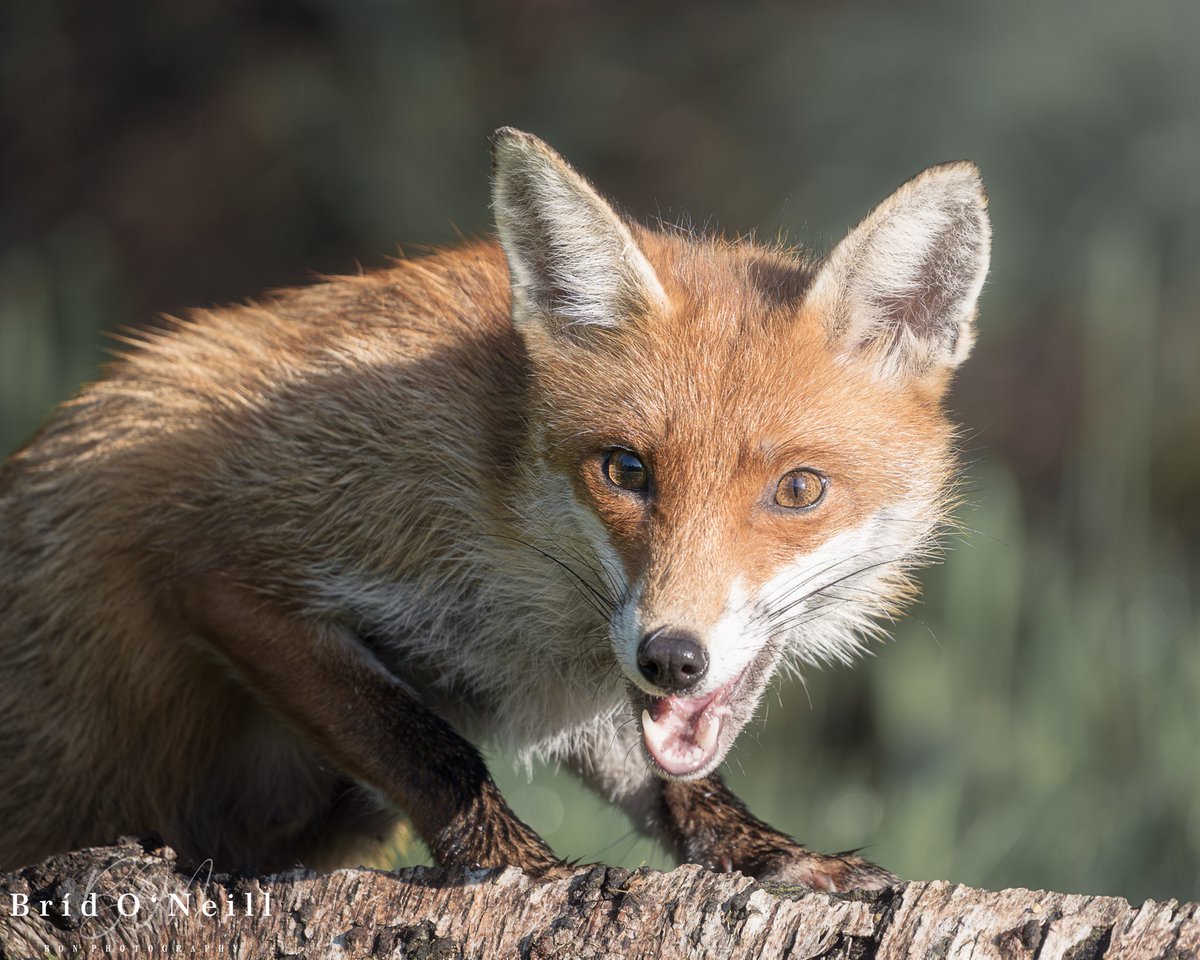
[572,260]
[901,287]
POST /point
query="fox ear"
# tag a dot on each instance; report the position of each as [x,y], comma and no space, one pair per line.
[902,286]
[572,260]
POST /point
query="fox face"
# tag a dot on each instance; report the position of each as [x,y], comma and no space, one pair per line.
[753,447]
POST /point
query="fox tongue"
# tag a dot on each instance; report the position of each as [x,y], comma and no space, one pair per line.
[680,734]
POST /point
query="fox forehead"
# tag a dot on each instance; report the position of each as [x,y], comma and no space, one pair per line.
[721,393]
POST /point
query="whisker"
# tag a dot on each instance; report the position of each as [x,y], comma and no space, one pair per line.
[775,613]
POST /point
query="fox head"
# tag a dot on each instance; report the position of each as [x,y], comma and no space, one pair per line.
[753,446]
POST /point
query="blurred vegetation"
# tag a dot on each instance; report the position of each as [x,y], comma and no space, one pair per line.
[1036,721]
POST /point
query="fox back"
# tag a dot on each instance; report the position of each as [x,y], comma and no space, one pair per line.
[588,476]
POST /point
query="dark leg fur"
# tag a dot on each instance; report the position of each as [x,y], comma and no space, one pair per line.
[703,822]
[707,824]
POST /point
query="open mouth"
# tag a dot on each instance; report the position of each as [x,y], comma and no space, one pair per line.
[683,734]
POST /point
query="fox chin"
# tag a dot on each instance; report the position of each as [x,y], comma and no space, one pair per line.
[583,489]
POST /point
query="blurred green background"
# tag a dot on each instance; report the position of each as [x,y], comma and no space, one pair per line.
[1035,722]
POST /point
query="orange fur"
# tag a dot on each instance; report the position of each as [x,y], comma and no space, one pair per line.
[248,575]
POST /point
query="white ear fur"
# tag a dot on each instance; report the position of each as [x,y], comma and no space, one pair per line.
[572,260]
[902,286]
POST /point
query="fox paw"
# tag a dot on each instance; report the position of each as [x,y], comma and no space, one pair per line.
[835,873]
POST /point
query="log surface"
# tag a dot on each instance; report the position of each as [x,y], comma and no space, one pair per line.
[147,906]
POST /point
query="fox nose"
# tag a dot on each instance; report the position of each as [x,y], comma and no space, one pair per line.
[673,662]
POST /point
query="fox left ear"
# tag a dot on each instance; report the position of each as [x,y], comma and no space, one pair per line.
[573,261]
[902,286]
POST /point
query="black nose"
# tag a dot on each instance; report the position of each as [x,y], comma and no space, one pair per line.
[673,662]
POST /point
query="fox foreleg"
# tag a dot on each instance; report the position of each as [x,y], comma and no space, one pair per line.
[325,684]
[702,821]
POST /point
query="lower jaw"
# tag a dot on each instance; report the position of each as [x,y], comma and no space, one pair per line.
[699,773]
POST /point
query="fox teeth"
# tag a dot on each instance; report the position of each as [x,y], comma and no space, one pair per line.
[655,733]
[706,733]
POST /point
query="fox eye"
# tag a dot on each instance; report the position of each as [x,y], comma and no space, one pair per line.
[624,469]
[800,489]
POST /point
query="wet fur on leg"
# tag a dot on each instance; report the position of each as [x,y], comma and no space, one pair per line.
[712,827]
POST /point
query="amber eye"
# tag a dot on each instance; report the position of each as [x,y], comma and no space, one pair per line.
[624,469]
[800,489]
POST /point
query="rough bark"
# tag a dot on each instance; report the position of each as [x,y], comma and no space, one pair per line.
[599,913]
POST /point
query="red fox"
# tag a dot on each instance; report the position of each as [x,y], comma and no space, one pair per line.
[582,491]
